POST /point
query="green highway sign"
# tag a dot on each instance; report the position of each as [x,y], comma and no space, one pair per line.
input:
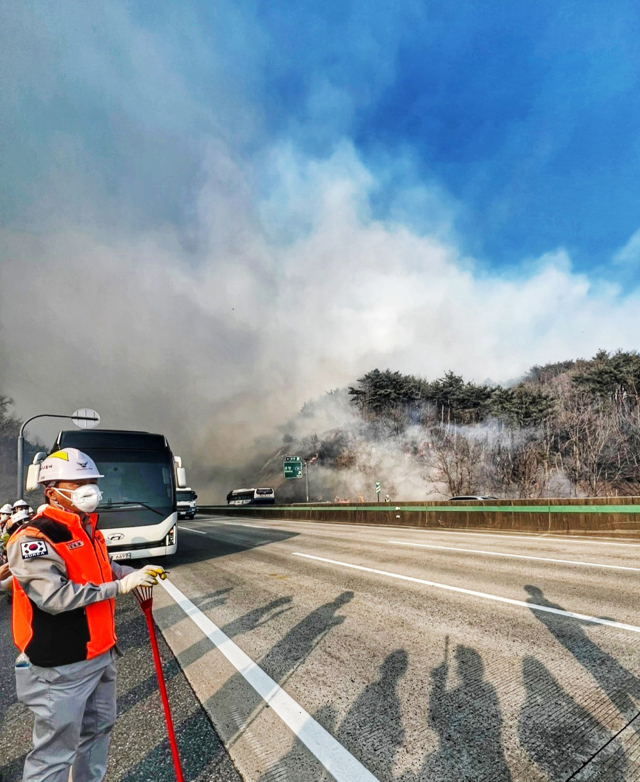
[292,466]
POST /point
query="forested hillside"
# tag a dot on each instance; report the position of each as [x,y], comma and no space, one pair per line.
[566,429]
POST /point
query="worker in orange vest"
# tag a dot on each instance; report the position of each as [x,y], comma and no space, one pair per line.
[64,585]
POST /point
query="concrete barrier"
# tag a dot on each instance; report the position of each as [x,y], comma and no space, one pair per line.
[599,516]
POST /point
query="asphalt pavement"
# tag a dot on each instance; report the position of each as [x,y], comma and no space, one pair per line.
[325,651]
[409,654]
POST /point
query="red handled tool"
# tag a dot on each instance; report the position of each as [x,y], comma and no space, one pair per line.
[144,596]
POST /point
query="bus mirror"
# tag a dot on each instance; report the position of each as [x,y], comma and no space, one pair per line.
[39,457]
[178,461]
[32,477]
[181,476]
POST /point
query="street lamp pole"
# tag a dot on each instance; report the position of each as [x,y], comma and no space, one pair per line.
[306,473]
[20,481]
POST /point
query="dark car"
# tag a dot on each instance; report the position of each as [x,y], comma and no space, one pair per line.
[471,497]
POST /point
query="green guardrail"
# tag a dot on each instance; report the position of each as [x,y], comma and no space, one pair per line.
[386,507]
[470,508]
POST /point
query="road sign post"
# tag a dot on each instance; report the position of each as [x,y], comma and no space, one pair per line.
[378,488]
[292,468]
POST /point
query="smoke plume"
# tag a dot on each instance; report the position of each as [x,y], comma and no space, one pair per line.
[259,276]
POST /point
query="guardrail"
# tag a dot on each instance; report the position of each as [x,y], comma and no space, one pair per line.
[609,516]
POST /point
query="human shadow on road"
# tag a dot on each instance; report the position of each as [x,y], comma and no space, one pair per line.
[372,728]
[136,632]
[558,734]
[620,685]
[165,617]
[236,700]
[468,723]
[171,614]
[258,617]
[292,650]
[253,619]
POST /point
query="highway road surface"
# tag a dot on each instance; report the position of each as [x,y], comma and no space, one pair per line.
[334,652]
[327,651]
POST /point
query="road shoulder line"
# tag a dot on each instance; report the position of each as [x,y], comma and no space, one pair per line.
[513,556]
[474,593]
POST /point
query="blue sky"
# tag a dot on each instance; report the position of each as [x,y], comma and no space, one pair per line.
[524,116]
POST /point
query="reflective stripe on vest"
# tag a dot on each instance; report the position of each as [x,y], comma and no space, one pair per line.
[87,563]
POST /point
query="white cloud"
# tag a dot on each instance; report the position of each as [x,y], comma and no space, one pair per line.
[629,255]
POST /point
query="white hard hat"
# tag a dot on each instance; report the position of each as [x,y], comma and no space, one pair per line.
[20,504]
[69,464]
[20,516]
[6,508]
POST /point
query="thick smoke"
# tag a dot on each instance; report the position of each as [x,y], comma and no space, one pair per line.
[219,350]
[266,280]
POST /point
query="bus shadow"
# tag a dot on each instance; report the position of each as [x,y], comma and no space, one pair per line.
[236,702]
[221,542]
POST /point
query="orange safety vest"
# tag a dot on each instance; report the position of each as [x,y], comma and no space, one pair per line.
[78,634]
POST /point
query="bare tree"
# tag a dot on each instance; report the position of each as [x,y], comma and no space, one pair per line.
[590,443]
[515,464]
[456,461]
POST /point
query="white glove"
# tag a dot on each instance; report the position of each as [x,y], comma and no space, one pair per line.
[139,578]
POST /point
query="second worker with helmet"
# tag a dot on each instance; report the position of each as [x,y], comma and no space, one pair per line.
[64,585]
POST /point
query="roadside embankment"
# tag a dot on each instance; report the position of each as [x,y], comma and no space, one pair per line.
[597,516]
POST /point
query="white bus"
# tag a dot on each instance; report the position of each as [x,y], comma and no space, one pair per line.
[251,497]
[138,514]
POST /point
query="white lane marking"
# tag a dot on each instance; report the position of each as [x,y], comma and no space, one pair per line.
[544,537]
[515,556]
[232,523]
[332,755]
[485,595]
[188,529]
[541,538]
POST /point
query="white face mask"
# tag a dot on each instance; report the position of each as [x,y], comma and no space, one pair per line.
[85,498]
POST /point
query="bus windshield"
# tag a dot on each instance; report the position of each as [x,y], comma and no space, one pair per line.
[134,477]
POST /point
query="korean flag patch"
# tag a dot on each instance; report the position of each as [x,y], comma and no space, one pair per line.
[34,548]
